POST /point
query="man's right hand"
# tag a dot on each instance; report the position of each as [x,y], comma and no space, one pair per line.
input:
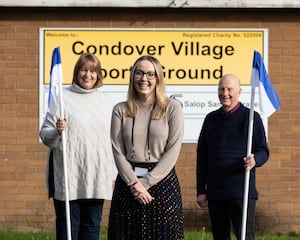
[202,200]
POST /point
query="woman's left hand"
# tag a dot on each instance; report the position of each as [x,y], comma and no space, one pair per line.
[140,192]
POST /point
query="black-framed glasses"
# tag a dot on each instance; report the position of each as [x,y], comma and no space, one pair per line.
[149,75]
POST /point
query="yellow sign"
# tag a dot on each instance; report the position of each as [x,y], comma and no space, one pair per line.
[188,56]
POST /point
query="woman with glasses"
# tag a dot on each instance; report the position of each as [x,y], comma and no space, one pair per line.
[146,133]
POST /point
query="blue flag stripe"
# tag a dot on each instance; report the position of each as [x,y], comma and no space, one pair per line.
[265,80]
[56,59]
[55,79]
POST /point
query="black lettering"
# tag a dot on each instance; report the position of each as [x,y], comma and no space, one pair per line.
[177,50]
[103,48]
[91,49]
[74,50]
[151,50]
[114,73]
[218,73]
[115,49]
[218,53]
[104,72]
[180,74]
[130,50]
[140,51]
[196,74]
[229,50]
[205,50]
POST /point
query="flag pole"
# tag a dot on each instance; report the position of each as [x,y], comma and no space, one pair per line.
[68,221]
[268,102]
[247,171]
[66,181]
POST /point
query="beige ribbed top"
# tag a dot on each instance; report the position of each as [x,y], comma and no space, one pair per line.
[165,139]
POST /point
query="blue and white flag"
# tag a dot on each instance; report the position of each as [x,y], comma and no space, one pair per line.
[56,80]
[268,99]
[55,101]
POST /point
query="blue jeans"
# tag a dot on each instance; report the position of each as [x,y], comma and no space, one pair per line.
[85,217]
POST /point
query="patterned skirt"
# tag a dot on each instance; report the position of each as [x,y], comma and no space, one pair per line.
[162,219]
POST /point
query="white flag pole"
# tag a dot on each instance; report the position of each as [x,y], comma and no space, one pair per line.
[63,135]
[247,172]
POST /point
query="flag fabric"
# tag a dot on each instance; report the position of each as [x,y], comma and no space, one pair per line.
[55,100]
[56,80]
[268,99]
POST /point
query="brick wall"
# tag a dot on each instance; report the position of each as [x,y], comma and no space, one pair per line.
[23,199]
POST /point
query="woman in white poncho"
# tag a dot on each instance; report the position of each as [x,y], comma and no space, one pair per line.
[91,169]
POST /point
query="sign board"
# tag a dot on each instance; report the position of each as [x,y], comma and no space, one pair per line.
[193,62]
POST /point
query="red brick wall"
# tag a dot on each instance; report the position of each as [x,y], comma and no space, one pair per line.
[23,199]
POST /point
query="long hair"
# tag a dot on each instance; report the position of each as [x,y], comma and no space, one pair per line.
[94,64]
[161,99]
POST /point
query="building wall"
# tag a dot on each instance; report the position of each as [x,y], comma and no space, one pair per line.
[23,200]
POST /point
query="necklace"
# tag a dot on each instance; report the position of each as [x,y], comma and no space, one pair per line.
[148,133]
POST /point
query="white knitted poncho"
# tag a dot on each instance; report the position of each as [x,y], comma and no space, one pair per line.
[91,169]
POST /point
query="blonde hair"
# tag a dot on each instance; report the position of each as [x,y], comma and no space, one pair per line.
[94,63]
[161,100]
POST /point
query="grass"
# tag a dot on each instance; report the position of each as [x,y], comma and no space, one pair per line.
[189,235]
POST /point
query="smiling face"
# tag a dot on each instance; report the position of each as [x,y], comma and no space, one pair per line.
[229,91]
[145,81]
[87,72]
[87,76]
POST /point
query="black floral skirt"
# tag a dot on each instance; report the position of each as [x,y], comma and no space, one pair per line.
[162,219]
